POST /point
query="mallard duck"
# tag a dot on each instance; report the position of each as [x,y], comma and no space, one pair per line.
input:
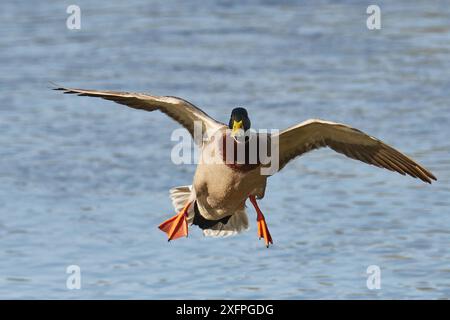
[215,201]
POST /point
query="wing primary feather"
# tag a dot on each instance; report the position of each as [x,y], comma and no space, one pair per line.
[180,110]
[354,143]
[393,164]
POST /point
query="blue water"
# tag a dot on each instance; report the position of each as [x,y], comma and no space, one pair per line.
[85,181]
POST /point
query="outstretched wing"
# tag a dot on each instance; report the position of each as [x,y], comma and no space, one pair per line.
[182,111]
[314,134]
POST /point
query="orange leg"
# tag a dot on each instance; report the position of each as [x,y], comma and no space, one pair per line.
[176,227]
[263,230]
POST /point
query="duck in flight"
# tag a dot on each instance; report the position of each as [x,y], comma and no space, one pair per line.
[215,201]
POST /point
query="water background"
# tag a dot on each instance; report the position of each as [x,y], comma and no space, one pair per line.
[85,181]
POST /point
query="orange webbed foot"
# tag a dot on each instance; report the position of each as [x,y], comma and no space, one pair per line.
[263,230]
[177,226]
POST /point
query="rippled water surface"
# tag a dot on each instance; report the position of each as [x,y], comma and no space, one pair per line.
[85,182]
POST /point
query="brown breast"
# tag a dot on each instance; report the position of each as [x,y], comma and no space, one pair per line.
[241,156]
